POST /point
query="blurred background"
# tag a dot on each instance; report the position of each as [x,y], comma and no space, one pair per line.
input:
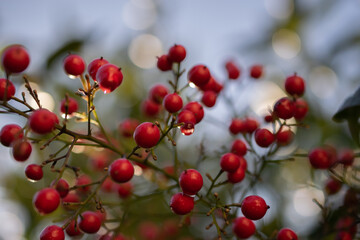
[318,39]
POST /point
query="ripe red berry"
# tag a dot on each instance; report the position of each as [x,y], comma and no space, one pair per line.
[157,93]
[191,181]
[254,207]
[189,120]
[149,231]
[295,85]
[346,157]
[181,204]
[319,158]
[269,118]
[109,77]
[232,70]
[164,63]
[264,138]
[284,108]
[94,66]
[83,180]
[90,222]
[285,137]
[177,53]
[229,162]
[212,85]
[196,109]
[332,186]
[52,232]
[237,176]
[348,224]
[150,108]
[125,189]
[73,229]
[243,163]
[250,125]
[209,98]
[71,105]
[300,109]
[128,126]
[286,234]
[71,197]
[21,150]
[173,102]
[74,65]
[256,71]
[42,121]
[15,59]
[147,135]
[199,75]
[238,147]
[343,236]
[62,187]
[121,170]
[243,227]
[10,90]
[34,172]
[237,125]
[10,133]
[46,200]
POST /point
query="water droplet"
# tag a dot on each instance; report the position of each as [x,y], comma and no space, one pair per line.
[192,85]
[187,129]
[72,76]
[31,180]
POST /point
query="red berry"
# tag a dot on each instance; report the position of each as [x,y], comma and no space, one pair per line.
[239,148]
[121,170]
[10,89]
[42,121]
[173,103]
[346,157]
[164,63]
[71,104]
[99,162]
[73,229]
[243,163]
[343,236]
[232,70]
[295,85]
[46,200]
[243,227]
[269,118]
[250,125]
[332,186]
[237,125]
[94,66]
[62,187]
[237,176]
[149,231]
[181,204]
[284,108]
[15,59]
[209,98]
[90,222]
[319,158]
[286,234]
[256,71]
[109,77]
[264,138]
[21,150]
[52,232]
[83,180]
[34,172]
[300,109]
[10,133]
[177,53]
[229,162]
[191,181]
[254,207]
[196,109]
[199,75]
[71,197]
[285,137]
[74,65]
[147,135]
[346,223]
[212,85]
[125,190]
[150,108]
[157,93]
[128,126]
[189,120]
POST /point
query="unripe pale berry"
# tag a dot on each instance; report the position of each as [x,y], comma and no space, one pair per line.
[34,172]
[229,162]
[173,102]
[199,75]
[286,234]
[284,108]
[74,65]
[109,77]
[181,204]
[147,135]
[10,90]
[243,227]
[177,53]
[196,109]
[94,66]
[295,85]
[42,121]
[264,138]
[254,207]
[21,150]
[121,170]
[90,222]
[191,181]
[158,92]
[46,200]
[52,232]
[71,105]
[10,133]
[15,59]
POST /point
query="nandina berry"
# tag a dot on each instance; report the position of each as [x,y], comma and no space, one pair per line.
[243,227]
[94,66]
[99,162]
[181,204]
[83,180]
[42,121]
[300,109]
[15,59]
[52,232]
[173,102]
[10,89]
[295,85]
[239,148]
[70,105]
[101,214]
[90,222]
[286,234]
[284,138]
[199,75]
[319,158]
[21,150]
[170,229]
[250,125]
[109,77]
[10,133]
[73,229]
[121,170]
[125,190]
[177,53]
[229,162]
[71,197]
[164,63]
[243,163]
[237,125]
[332,186]
[62,187]
[147,135]
[237,176]
[209,98]
[108,185]
[346,157]
[196,109]
[256,71]
[74,65]
[264,138]
[128,126]
[150,108]
[212,85]
[46,200]
[157,93]
[188,119]
[149,231]
[284,108]
[191,181]
[269,118]
[254,207]
[348,224]
[232,70]
[34,172]
[119,236]
[343,236]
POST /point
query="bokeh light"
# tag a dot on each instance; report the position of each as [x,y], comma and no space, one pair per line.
[303,201]
[286,43]
[280,9]
[323,81]
[139,14]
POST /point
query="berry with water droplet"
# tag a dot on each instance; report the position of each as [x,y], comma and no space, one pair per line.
[109,77]
[74,65]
